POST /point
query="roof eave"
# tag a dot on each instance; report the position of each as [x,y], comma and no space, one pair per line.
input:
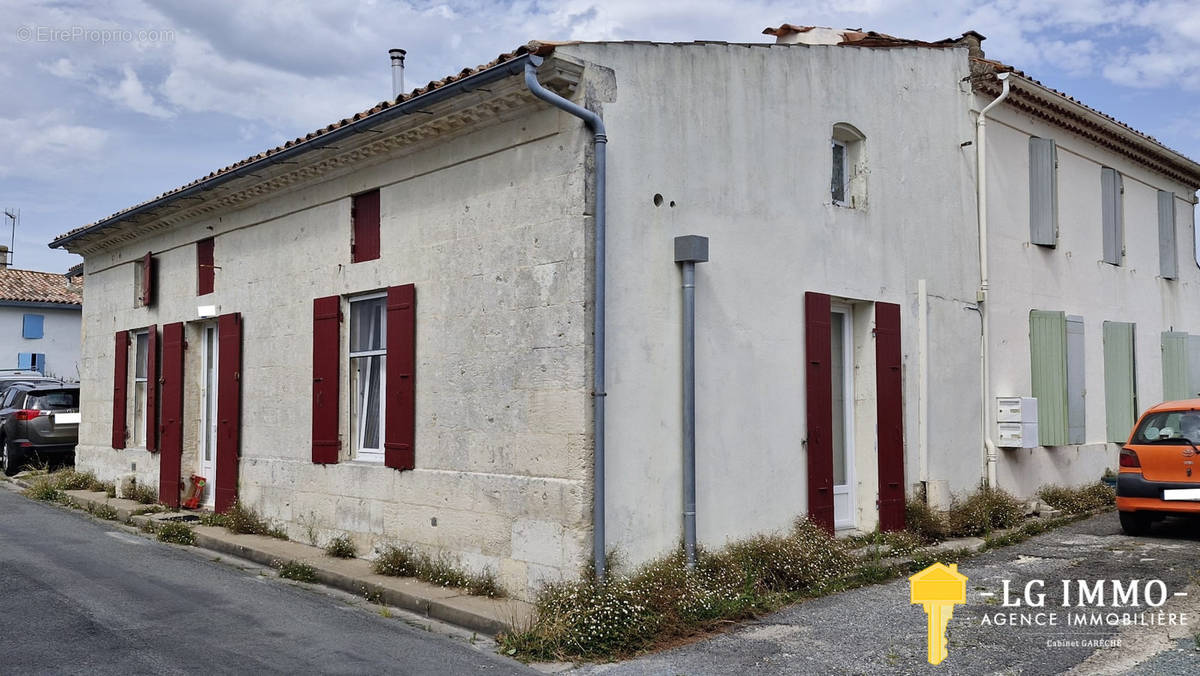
[514,66]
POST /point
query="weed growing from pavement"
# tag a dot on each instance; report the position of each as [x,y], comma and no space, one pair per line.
[70,480]
[214,519]
[294,570]
[1078,500]
[44,488]
[110,489]
[244,520]
[132,490]
[105,511]
[176,533]
[440,570]
[341,547]
[149,509]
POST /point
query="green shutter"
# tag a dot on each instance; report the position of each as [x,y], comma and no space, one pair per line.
[1048,361]
[1120,384]
[1043,191]
[1175,366]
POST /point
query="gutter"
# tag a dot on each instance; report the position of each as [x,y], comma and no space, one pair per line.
[989,446]
[600,140]
[413,105]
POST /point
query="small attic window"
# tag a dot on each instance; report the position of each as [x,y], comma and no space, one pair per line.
[848,180]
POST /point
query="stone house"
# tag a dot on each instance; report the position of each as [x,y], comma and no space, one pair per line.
[40,320]
[387,328]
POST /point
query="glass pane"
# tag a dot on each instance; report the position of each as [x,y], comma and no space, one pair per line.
[366,411]
[52,401]
[838,182]
[143,340]
[139,414]
[366,324]
[838,365]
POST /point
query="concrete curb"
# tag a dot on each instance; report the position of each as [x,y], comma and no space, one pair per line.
[476,613]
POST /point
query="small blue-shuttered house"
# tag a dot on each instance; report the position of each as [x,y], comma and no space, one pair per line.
[40,315]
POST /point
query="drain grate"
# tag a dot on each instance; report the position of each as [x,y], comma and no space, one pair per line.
[182,517]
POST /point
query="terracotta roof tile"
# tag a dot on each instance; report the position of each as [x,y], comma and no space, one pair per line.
[31,286]
[540,48]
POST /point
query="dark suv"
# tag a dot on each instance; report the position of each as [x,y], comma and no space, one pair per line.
[38,421]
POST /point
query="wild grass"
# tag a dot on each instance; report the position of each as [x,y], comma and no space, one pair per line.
[440,570]
[295,570]
[341,547]
[143,493]
[244,520]
[1078,500]
[176,533]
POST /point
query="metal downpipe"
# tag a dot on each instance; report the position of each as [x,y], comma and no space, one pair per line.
[689,412]
[600,138]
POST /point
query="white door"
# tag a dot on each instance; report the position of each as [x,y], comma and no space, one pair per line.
[208,413]
[842,366]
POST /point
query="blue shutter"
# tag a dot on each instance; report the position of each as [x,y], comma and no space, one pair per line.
[1043,191]
[39,363]
[1112,216]
[31,326]
[1076,428]
[1167,264]
[25,360]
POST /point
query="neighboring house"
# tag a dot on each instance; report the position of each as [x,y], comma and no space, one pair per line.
[40,321]
[385,328]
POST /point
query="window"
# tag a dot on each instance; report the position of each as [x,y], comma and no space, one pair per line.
[140,345]
[31,326]
[205,270]
[1112,208]
[1057,367]
[1043,191]
[1167,263]
[32,361]
[364,226]
[848,180]
[1120,380]
[368,354]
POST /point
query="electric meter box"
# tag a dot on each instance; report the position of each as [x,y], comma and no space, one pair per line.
[1016,422]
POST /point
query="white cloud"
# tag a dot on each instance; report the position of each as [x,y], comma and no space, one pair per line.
[130,93]
[41,148]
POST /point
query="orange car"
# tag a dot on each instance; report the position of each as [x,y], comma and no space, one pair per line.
[1159,473]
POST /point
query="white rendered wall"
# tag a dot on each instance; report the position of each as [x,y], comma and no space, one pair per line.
[1073,278]
[737,139]
[59,341]
[490,228]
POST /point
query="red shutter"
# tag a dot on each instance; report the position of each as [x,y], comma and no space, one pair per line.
[229,409]
[148,279]
[205,272]
[152,389]
[890,415]
[364,219]
[120,378]
[171,434]
[819,394]
[400,410]
[327,342]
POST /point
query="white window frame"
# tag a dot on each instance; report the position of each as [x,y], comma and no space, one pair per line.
[374,455]
[840,147]
[140,427]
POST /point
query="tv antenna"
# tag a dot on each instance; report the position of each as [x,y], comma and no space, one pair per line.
[14,216]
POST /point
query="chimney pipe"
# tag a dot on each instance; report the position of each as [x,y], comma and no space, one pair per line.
[397,72]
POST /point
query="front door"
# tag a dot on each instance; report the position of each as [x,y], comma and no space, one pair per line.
[208,412]
[842,366]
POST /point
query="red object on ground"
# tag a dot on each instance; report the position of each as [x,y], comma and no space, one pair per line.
[198,483]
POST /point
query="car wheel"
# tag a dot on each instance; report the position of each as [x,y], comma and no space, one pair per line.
[1135,523]
[10,462]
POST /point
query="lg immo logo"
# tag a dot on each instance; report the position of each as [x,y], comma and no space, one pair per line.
[938,589]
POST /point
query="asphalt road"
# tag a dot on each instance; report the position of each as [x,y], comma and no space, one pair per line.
[875,630]
[79,596]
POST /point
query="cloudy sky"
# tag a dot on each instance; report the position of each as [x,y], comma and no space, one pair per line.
[107,103]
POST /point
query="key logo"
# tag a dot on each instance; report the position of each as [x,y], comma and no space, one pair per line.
[938,589]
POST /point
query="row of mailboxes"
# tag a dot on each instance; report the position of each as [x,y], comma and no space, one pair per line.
[1016,422]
